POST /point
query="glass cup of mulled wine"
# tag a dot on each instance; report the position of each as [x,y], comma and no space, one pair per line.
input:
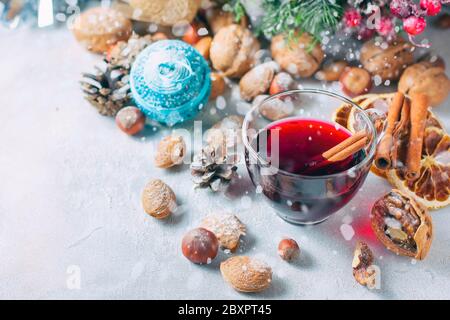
[308,151]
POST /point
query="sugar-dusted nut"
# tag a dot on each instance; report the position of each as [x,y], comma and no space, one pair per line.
[331,71]
[203,46]
[282,81]
[217,85]
[233,50]
[355,81]
[288,249]
[402,225]
[274,109]
[226,132]
[171,151]
[425,78]
[363,270]
[299,54]
[227,228]
[100,28]
[257,80]
[218,18]
[200,246]
[158,199]
[386,60]
[246,274]
[130,120]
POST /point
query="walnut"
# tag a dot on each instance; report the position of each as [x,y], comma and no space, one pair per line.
[233,50]
[297,55]
[425,78]
[402,225]
[363,270]
[217,19]
[386,60]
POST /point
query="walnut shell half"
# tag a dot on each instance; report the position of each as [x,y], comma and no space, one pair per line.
[386,60]
[425,78]
[363,270]
[402,225]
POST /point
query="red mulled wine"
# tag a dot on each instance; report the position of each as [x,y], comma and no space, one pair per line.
[306,183]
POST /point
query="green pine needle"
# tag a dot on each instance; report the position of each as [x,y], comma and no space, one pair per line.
[312,16]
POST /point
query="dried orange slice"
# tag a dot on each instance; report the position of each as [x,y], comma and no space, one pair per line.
[432,188]
[376,106]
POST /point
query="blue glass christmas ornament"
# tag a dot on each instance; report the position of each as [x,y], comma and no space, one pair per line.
[170,81]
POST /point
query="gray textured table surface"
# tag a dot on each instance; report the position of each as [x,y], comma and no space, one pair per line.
[70,186]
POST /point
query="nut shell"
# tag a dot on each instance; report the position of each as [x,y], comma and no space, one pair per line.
[246,274]
[200,246]
[288,249]
[402,225]
[233,50]
[295,55]
[158,199]
[331,71]
[387,62]
[217,85]
[257,80]
[424,78]
[217,19]
[227,228]
[130,120]
[171,151]
[282,81]
[165,12]
[275,109]
[98,29]
[355,81]
[203,46]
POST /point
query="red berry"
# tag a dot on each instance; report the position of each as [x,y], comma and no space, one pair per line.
[400,8]
[414,25]
[433,7]
[352,18]
[386,27]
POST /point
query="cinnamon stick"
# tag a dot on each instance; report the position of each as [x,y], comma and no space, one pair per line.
[383,155]
[347,147]
[418,116]
[400,137]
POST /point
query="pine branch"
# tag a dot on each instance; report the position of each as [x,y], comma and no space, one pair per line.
[312,16]
[234,6]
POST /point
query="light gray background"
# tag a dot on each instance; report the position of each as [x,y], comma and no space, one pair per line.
[70,185]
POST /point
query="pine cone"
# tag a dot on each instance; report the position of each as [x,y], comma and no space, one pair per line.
[108,90]
[213,167]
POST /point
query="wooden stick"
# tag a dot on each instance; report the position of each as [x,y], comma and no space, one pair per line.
[383,155]
[418,116]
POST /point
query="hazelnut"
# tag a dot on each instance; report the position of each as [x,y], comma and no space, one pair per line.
[203,46]
[171,151]
[233,50]
[331,71]
[355,81]
[288,249]
[191,35]
[424,78]
[158,199]
[283,81]
[295,55]
[386,60]
[200,246]
[159,36]
[130,120]
[257,80]
[217,85]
